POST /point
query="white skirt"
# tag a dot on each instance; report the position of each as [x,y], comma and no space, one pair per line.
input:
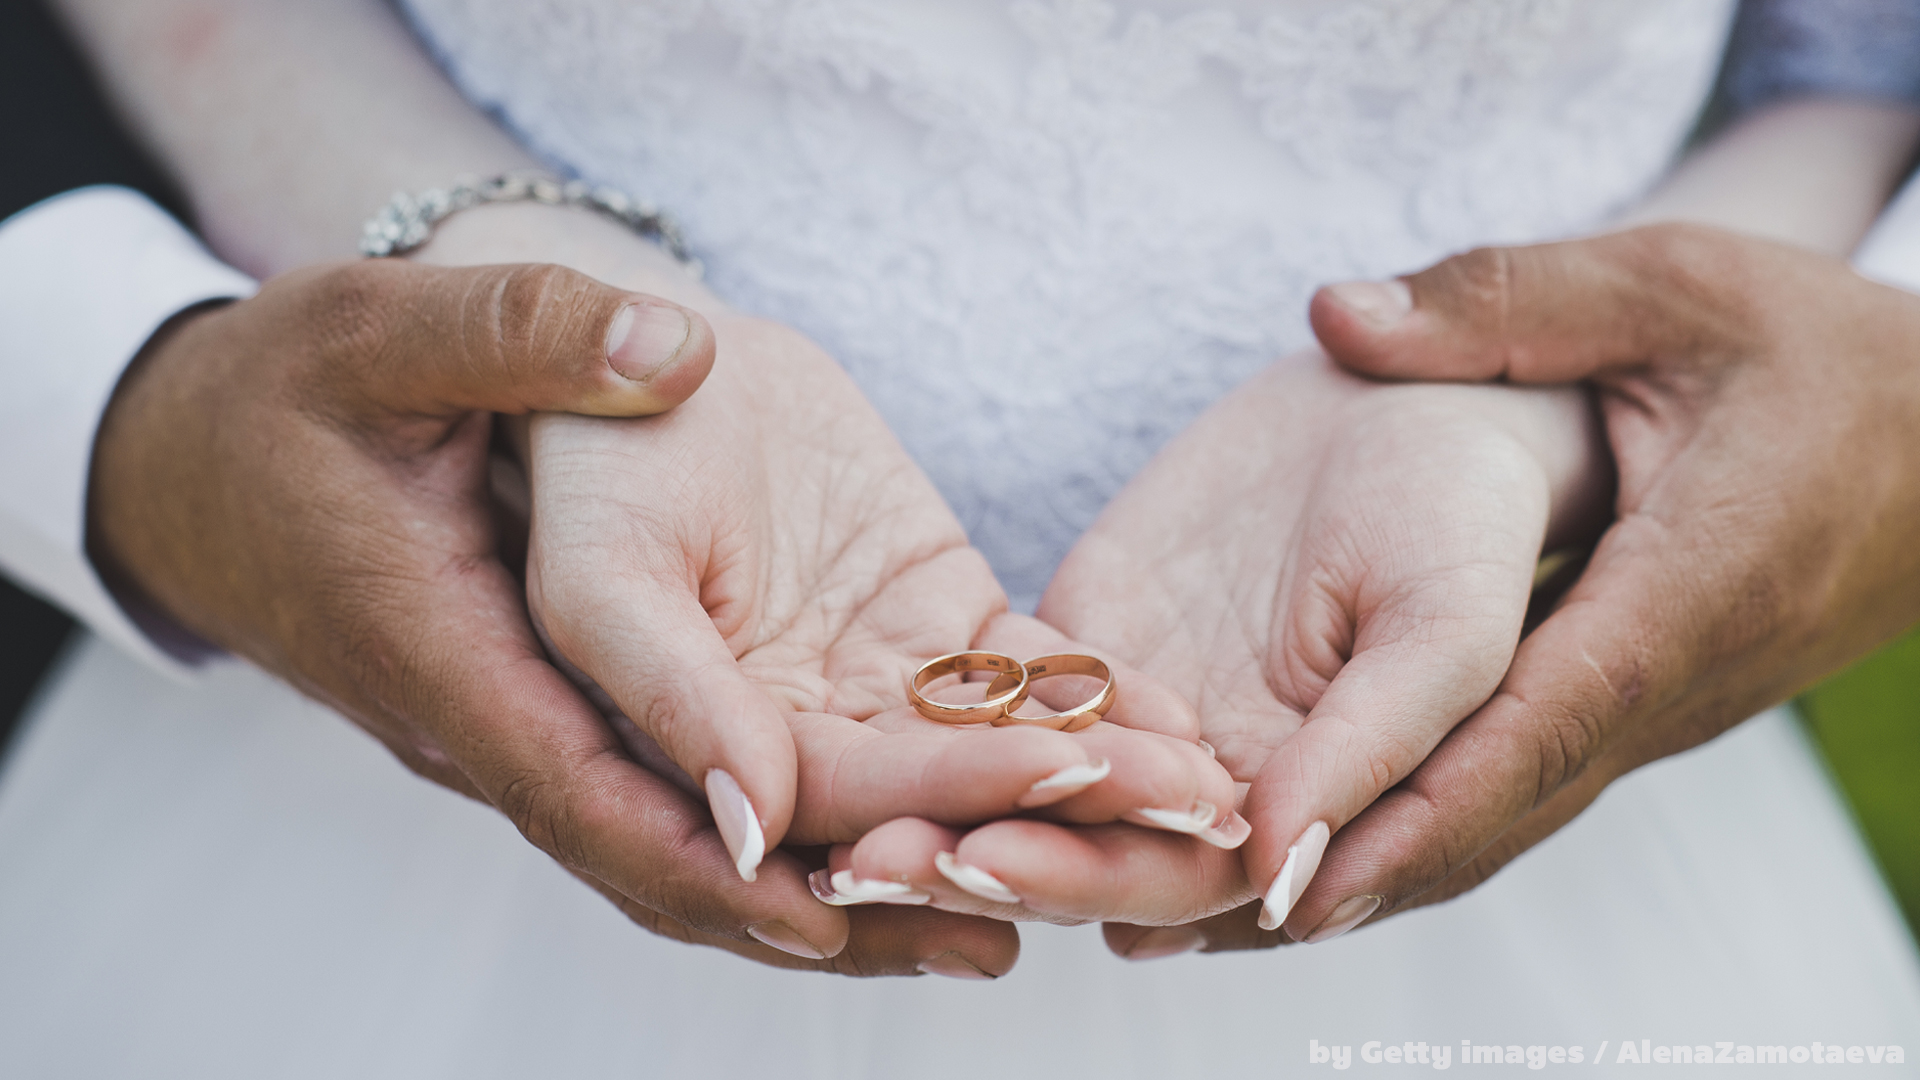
[228,881]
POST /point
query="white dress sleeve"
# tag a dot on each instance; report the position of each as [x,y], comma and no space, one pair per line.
[85,279]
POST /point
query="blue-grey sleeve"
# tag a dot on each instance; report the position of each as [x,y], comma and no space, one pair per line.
[1823,48]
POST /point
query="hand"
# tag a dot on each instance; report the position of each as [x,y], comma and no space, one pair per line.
[1762,409]
[746,580]
[1335,573]
[738,583]
[302,477]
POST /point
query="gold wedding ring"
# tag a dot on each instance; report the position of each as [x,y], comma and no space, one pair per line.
[1046,667]
[999,701]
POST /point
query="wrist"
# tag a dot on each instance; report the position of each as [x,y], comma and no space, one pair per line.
[566,236]
[130,537]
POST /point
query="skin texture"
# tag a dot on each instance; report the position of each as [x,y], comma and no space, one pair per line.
[1762,406]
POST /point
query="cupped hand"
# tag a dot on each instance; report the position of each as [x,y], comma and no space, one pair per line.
[1335,573]
[765,564]
[737,586]
[303,478]
[1762,409]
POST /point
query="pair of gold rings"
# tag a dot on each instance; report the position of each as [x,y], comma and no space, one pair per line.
[1008,691]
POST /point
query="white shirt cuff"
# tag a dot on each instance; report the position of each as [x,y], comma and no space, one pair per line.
[1891,252]
[85,279]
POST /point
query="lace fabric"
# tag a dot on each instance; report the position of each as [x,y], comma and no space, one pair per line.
[1043,235]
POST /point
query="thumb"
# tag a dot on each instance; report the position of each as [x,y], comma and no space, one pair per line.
[400,337]
[1548,313]
[1386,710]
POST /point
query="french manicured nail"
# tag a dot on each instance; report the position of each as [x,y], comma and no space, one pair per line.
[785,938]
[1166,941]
[645,338]
[1380,303]
[739,825]
[1068,781]
[843,888]
[1351,913]
[1303,858]
[973,879]
[953,966]
[1232,831]
[1229,832]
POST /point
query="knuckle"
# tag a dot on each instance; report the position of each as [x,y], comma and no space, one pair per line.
[853,963]
[657,923]
[529,306]
[1475,287]
[545,816]
[1570,737]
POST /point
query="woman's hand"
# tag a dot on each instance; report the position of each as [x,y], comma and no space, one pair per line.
[1335,573]
[742,583]
[767,555]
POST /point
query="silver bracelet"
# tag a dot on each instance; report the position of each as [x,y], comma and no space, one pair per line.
[407,221]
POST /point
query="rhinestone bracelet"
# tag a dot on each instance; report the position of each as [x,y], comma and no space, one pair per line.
[407,221]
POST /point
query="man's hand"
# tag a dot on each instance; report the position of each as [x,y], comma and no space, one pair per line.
[1763,406]
[303,478]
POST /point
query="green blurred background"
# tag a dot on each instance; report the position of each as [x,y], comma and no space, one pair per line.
[1867,722]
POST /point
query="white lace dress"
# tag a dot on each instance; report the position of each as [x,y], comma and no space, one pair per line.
[1044,234]
[1069,225]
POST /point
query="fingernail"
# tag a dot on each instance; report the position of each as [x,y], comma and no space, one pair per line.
[843,888]
[1208,747]
[645,338]
[1232,831]
[973,879]
[1380,304]
[785,938]
[739,825]
[953,966]
[1351,913]
[1303,858]
[1166,941]
[1068,781]
[1192,822]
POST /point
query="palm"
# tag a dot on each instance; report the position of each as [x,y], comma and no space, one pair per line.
[1334,573]
[821,553]
[1309,521]
[769,550]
